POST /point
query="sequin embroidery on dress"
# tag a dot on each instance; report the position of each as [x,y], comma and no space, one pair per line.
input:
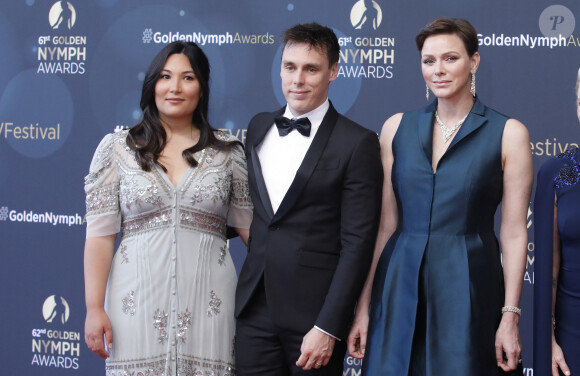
[214,305]
[160,323]
[129,304]
[183,323]
[134,194]
[569,173]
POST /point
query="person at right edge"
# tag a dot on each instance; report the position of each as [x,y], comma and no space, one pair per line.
[557,263]
[441,303]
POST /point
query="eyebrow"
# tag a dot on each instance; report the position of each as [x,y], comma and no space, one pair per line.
[169,70]
[444,53]
[308,65]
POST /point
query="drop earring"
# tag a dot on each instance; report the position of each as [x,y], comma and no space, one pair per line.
[427,91]
[472,89]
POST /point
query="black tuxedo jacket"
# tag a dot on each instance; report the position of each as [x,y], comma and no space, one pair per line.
[315,251]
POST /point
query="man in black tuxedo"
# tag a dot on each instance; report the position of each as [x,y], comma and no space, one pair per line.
[316,184]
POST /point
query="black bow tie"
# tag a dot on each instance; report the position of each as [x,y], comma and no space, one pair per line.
[286,125]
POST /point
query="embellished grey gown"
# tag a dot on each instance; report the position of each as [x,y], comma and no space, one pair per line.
[170,293]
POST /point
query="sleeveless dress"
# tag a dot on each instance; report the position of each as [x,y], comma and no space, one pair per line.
[170,293]
[558,179]
[438,289]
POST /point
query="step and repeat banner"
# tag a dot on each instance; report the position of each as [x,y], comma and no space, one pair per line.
[72,72]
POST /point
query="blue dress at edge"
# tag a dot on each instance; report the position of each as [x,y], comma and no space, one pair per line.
[558,179]
[438,290]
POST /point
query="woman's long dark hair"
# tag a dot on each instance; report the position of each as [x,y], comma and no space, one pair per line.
[148,138]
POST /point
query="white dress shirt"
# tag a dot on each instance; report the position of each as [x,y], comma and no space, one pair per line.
[280,157]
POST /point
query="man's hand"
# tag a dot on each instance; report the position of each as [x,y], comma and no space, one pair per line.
[316,350]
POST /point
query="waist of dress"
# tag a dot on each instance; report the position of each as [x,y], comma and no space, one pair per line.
[196,220]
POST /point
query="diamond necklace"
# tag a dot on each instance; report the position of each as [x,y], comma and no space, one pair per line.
[448,132]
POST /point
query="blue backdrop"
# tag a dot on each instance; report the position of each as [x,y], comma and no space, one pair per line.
[72,74]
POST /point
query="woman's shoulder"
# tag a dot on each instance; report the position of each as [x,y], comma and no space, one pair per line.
[225,136]
[118,138]
[570,155]
[569,168]
[236,145]
[122,134]
[111,141]
[412,116]
[111,149]
[417,111]
[563,170]
[391,124]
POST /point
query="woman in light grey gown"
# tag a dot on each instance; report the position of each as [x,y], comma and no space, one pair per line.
[170,185]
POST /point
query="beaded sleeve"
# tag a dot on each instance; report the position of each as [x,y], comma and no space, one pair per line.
[240,206]
[102,191]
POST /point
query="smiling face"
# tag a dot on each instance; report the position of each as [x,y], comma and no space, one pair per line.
[446,66]
[177,91]
[306,77]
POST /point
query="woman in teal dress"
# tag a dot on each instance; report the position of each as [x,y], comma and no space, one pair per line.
[437,300]
[557,266]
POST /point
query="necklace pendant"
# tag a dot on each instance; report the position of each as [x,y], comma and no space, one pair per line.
[446,131]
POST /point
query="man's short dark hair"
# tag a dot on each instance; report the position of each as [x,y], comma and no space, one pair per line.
[317,36]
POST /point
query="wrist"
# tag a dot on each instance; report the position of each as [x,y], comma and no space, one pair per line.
[512,309]
[362,308]
[511,314]
[510,317]
[95,307]
[362,311]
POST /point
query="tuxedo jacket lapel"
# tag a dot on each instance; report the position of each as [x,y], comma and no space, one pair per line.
[309,163]
[260,184]
[256,166]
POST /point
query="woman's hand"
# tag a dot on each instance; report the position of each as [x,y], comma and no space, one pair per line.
[244,234]
[357,338]
[508,345]
[96,324]
[558,360]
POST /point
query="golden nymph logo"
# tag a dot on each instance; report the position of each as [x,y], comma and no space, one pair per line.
[363,55]
[53,346]
[55,309]
[62,15]
[62,54]
[366,15]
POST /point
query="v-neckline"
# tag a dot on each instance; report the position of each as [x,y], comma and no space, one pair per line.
[166,178]
[198,157]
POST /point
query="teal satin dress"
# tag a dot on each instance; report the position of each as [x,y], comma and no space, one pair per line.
[438,289]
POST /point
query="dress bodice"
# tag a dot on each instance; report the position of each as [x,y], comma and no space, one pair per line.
[462,196]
